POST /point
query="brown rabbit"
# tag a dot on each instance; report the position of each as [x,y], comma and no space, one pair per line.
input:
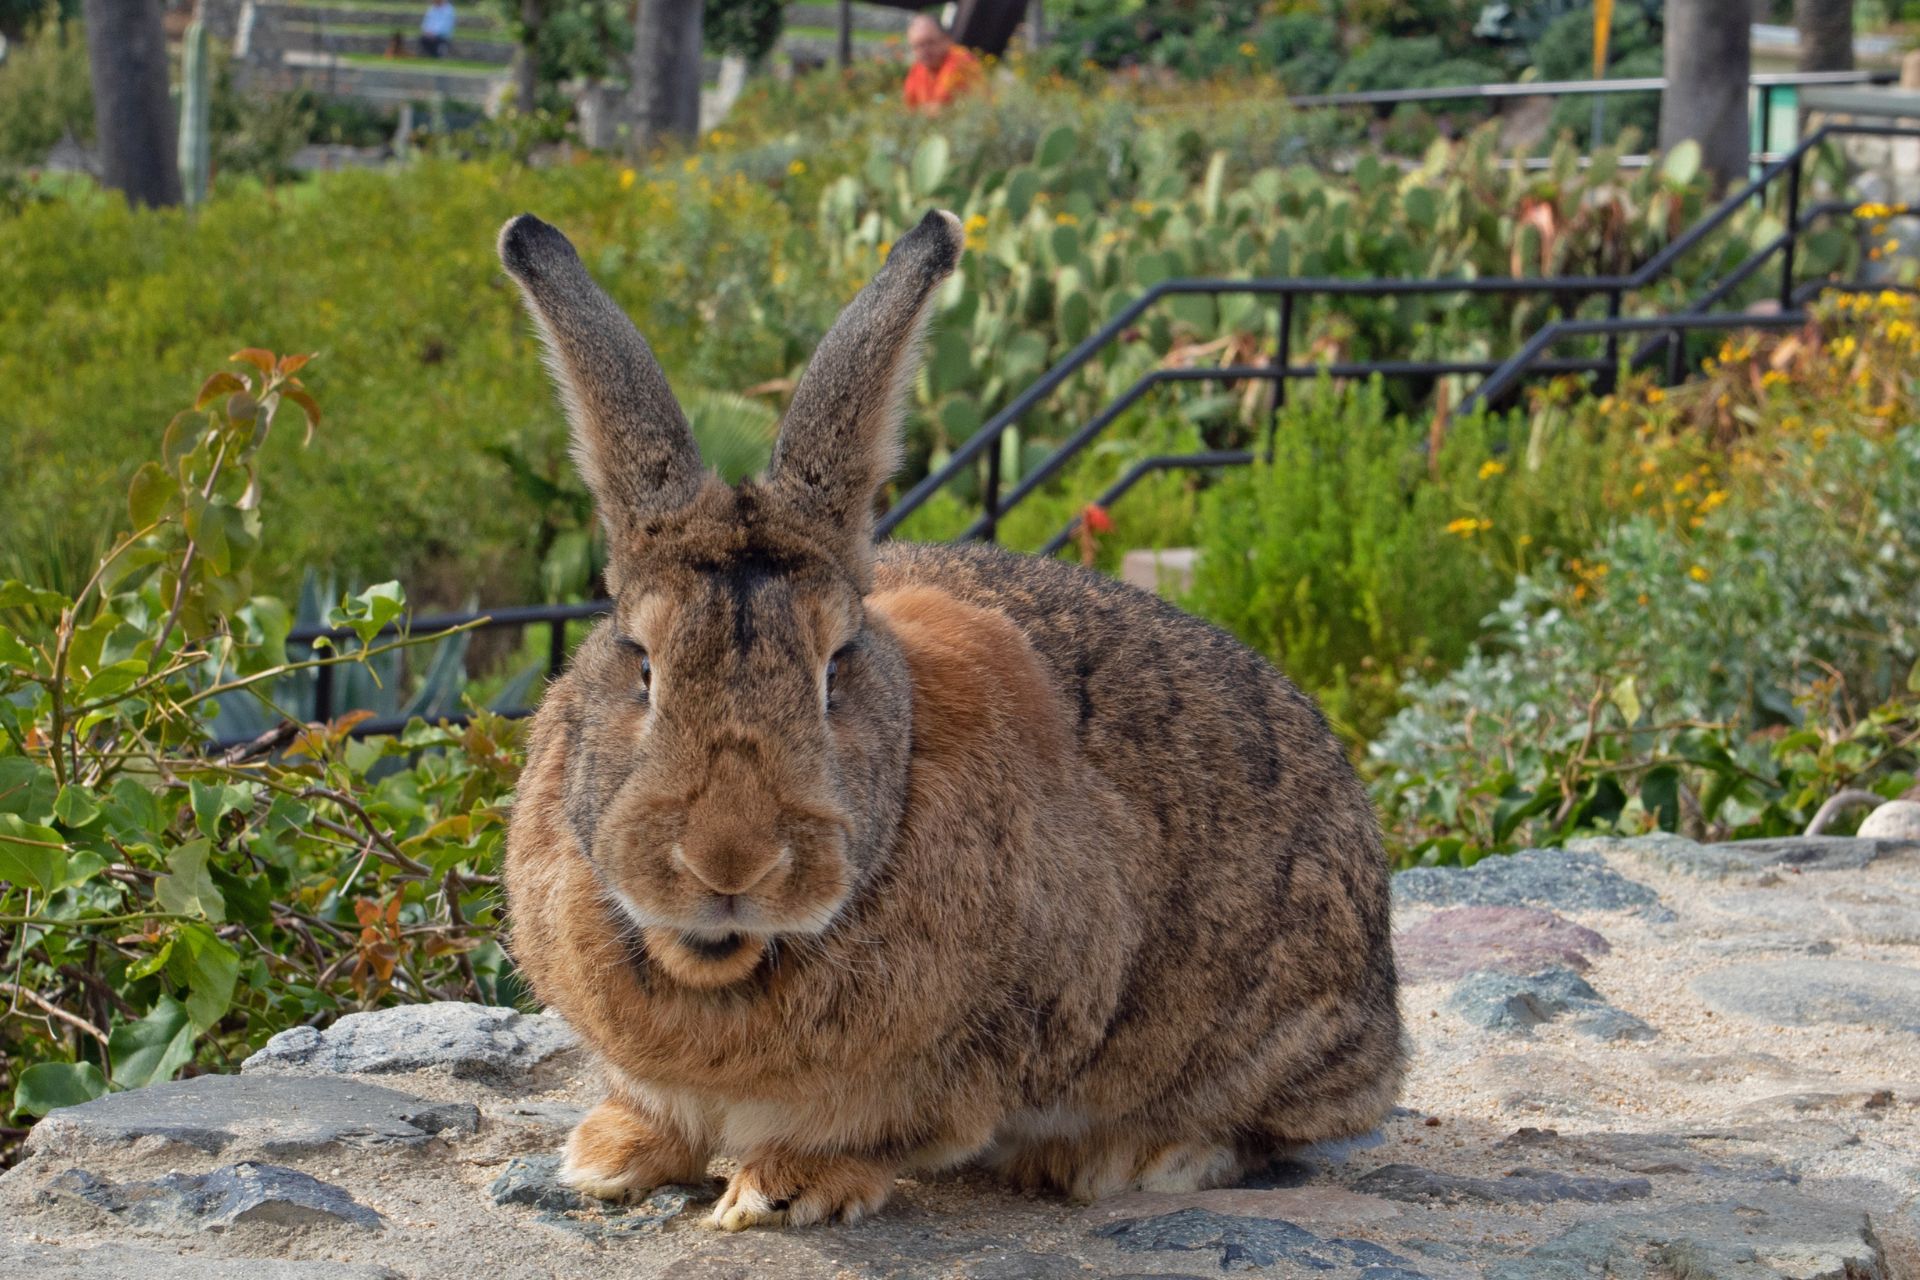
[848,860]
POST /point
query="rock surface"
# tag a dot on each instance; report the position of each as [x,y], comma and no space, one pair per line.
[1452,944]
[252,1113]
[1512,1002]
[1894,820]
[180,1204]
[1638,1060]
[469,1041]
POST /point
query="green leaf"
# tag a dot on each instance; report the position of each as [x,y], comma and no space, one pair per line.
[153,1048]
[208,967]
[1057,147]
[1913,679]
[152,964]
[26,788]
[149,494]
[109,683]
[1682,164]
[1023,184]
[75,806]
[929,166]
[1626,696]
[212,803]
[189,890]
[15,594]
[1660,796]
[48,1086]
[371,610]
[25,855]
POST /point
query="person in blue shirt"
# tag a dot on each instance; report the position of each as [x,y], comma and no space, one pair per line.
[436,29]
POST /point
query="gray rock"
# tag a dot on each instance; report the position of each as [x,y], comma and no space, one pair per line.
[1245,1244]
[1752,857]
[470,1041]
[1451,944]
[1804,993]
[1519,1186]
[268,1115]
[182,1204]
[1894,820]
[534,1182]
[1771,1235]
[1517,1003]
[1642,1153]
[128,1262]
[1562,879]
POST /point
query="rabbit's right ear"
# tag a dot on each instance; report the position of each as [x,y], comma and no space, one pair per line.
[630,439]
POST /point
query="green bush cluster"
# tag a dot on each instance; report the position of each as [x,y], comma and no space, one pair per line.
[165,902]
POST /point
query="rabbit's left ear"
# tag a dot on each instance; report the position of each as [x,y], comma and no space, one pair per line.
[841,437]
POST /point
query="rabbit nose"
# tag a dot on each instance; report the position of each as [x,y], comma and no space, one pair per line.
[728,869]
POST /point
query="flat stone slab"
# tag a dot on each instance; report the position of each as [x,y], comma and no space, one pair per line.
[181,1204]
[469,1041]
[1520,1186]
[268,1114]
[1755,857]
[1776,1235]
[1560,879]
[1801,993]
[1453,943]
[1519,1003]
[1243,1244]
[1643,1153]
[127,1262]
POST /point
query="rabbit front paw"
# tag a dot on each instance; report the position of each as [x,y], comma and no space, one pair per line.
[798,1190]
[617,1153]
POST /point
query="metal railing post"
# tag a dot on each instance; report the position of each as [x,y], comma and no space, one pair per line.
[556,646]
[1793,234]
[990,518]
[323,692]
[1611,378]
[1676,356]
[1282,359]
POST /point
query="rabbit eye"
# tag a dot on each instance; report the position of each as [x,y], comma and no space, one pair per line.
[646,672]
[833,669]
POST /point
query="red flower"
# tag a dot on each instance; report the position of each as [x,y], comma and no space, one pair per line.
[1096,518]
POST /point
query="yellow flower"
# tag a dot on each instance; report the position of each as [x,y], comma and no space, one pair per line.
[1639,487]
[1713,499]
[1900,331]
[1143,207]
[691,163]
[1699,573]
[1773,378]
[884,248]
[976,222]
[1065,220]
[1248,49]
[1655,395]
[627,178]
[797,167]
[1467,526]
[1648,466]
[1525,540]
[1843,347]
[1489,469]
[1873,209]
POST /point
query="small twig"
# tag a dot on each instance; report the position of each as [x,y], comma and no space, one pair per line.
[53,1010]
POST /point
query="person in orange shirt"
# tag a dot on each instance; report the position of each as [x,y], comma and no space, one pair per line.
[941,70]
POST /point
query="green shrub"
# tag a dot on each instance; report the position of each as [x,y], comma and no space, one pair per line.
[1671,674]
[167,904]
[44,94]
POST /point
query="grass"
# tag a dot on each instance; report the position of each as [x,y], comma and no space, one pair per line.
[409,30]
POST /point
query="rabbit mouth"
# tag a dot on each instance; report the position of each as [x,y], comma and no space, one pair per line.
[712,950]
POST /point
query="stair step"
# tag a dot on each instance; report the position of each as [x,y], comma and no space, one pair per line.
[471,19]
[329,39]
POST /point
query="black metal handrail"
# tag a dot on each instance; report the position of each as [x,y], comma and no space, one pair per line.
[1500,378]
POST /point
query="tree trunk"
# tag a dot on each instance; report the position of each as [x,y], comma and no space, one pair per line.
[666,72]
[132,117]
[1709,57]
[526,63]
[1826,34]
